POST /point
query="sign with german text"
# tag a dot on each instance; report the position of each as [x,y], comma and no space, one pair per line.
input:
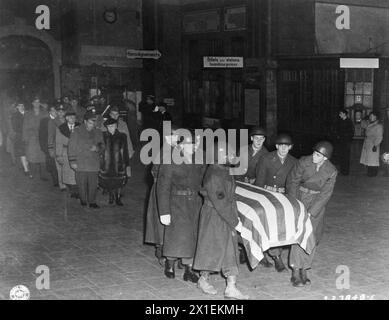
[143,54]
[223,62]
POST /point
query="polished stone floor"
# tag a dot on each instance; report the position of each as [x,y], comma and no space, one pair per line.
[99,254]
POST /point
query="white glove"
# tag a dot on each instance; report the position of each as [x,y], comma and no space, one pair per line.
[239,227]
[165,219]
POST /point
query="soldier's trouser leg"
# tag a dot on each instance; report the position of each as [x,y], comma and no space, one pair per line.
[92,186]
[299,259]
[82,184]
[275,252]
[59,171]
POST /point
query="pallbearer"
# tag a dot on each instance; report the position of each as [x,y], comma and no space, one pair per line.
[179,205]
[312,182]
[272,170]
[217,245]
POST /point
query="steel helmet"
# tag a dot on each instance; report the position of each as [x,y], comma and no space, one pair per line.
[325,148]
[257,131]
[284,138]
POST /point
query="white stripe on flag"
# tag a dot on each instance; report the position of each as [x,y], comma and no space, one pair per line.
[270,210]
[251,215]
[308,231]
[290,228]
[255,249]
[300,223]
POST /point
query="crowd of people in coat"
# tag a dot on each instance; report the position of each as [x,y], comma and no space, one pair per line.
[78,149]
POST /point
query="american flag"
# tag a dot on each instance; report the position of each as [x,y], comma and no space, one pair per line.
[271,219]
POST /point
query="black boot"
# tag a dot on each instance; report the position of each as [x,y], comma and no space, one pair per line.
[296,278]
[110,201]
[265,262]
[242,256]
[118,200]
[169,269]
[180,265]
[304,276]
[279,264]
[190,275]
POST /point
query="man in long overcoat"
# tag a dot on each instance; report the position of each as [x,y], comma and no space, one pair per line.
[179,205]
[44,143]
[217,244]
[272,171]
[311,181]
[344,136]
[62,136]
[51,141]
[35,156]
[370,155]
[86,144]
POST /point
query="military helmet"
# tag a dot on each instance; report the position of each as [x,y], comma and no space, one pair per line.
[257,131]
[325,148]
[284,138]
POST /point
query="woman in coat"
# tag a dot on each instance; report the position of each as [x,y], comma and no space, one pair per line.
[62,137]
[114,163]
[35,155]
[179,205]
[370,155]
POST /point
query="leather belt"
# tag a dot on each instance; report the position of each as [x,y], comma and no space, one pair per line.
[275,189]
[309,191]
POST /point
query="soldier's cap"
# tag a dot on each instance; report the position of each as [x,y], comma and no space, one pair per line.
[70,113]
[91,108]
[150,96]
[90,115]
[258,131]
[114,108]
[60,107]
[110,121]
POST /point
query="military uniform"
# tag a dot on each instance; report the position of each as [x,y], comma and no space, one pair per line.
[217,244]
[271,175]
[314,189]
[178,196]
[88,162]
[253,158]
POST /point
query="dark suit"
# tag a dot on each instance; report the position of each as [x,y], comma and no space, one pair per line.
[217,244]
[44,144]
[319,186]
[345,133]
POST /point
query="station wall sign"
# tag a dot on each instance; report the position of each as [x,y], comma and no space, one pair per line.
[223,62]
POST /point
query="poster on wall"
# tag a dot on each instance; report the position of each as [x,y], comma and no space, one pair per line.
[251,107]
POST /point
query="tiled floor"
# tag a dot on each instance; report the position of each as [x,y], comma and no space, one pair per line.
[99,254]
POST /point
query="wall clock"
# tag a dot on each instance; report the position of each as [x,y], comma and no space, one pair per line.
[110,16]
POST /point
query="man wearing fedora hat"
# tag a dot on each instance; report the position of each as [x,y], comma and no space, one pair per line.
[62,136]
[85,146]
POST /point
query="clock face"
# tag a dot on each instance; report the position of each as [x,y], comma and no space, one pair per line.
[110,16]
